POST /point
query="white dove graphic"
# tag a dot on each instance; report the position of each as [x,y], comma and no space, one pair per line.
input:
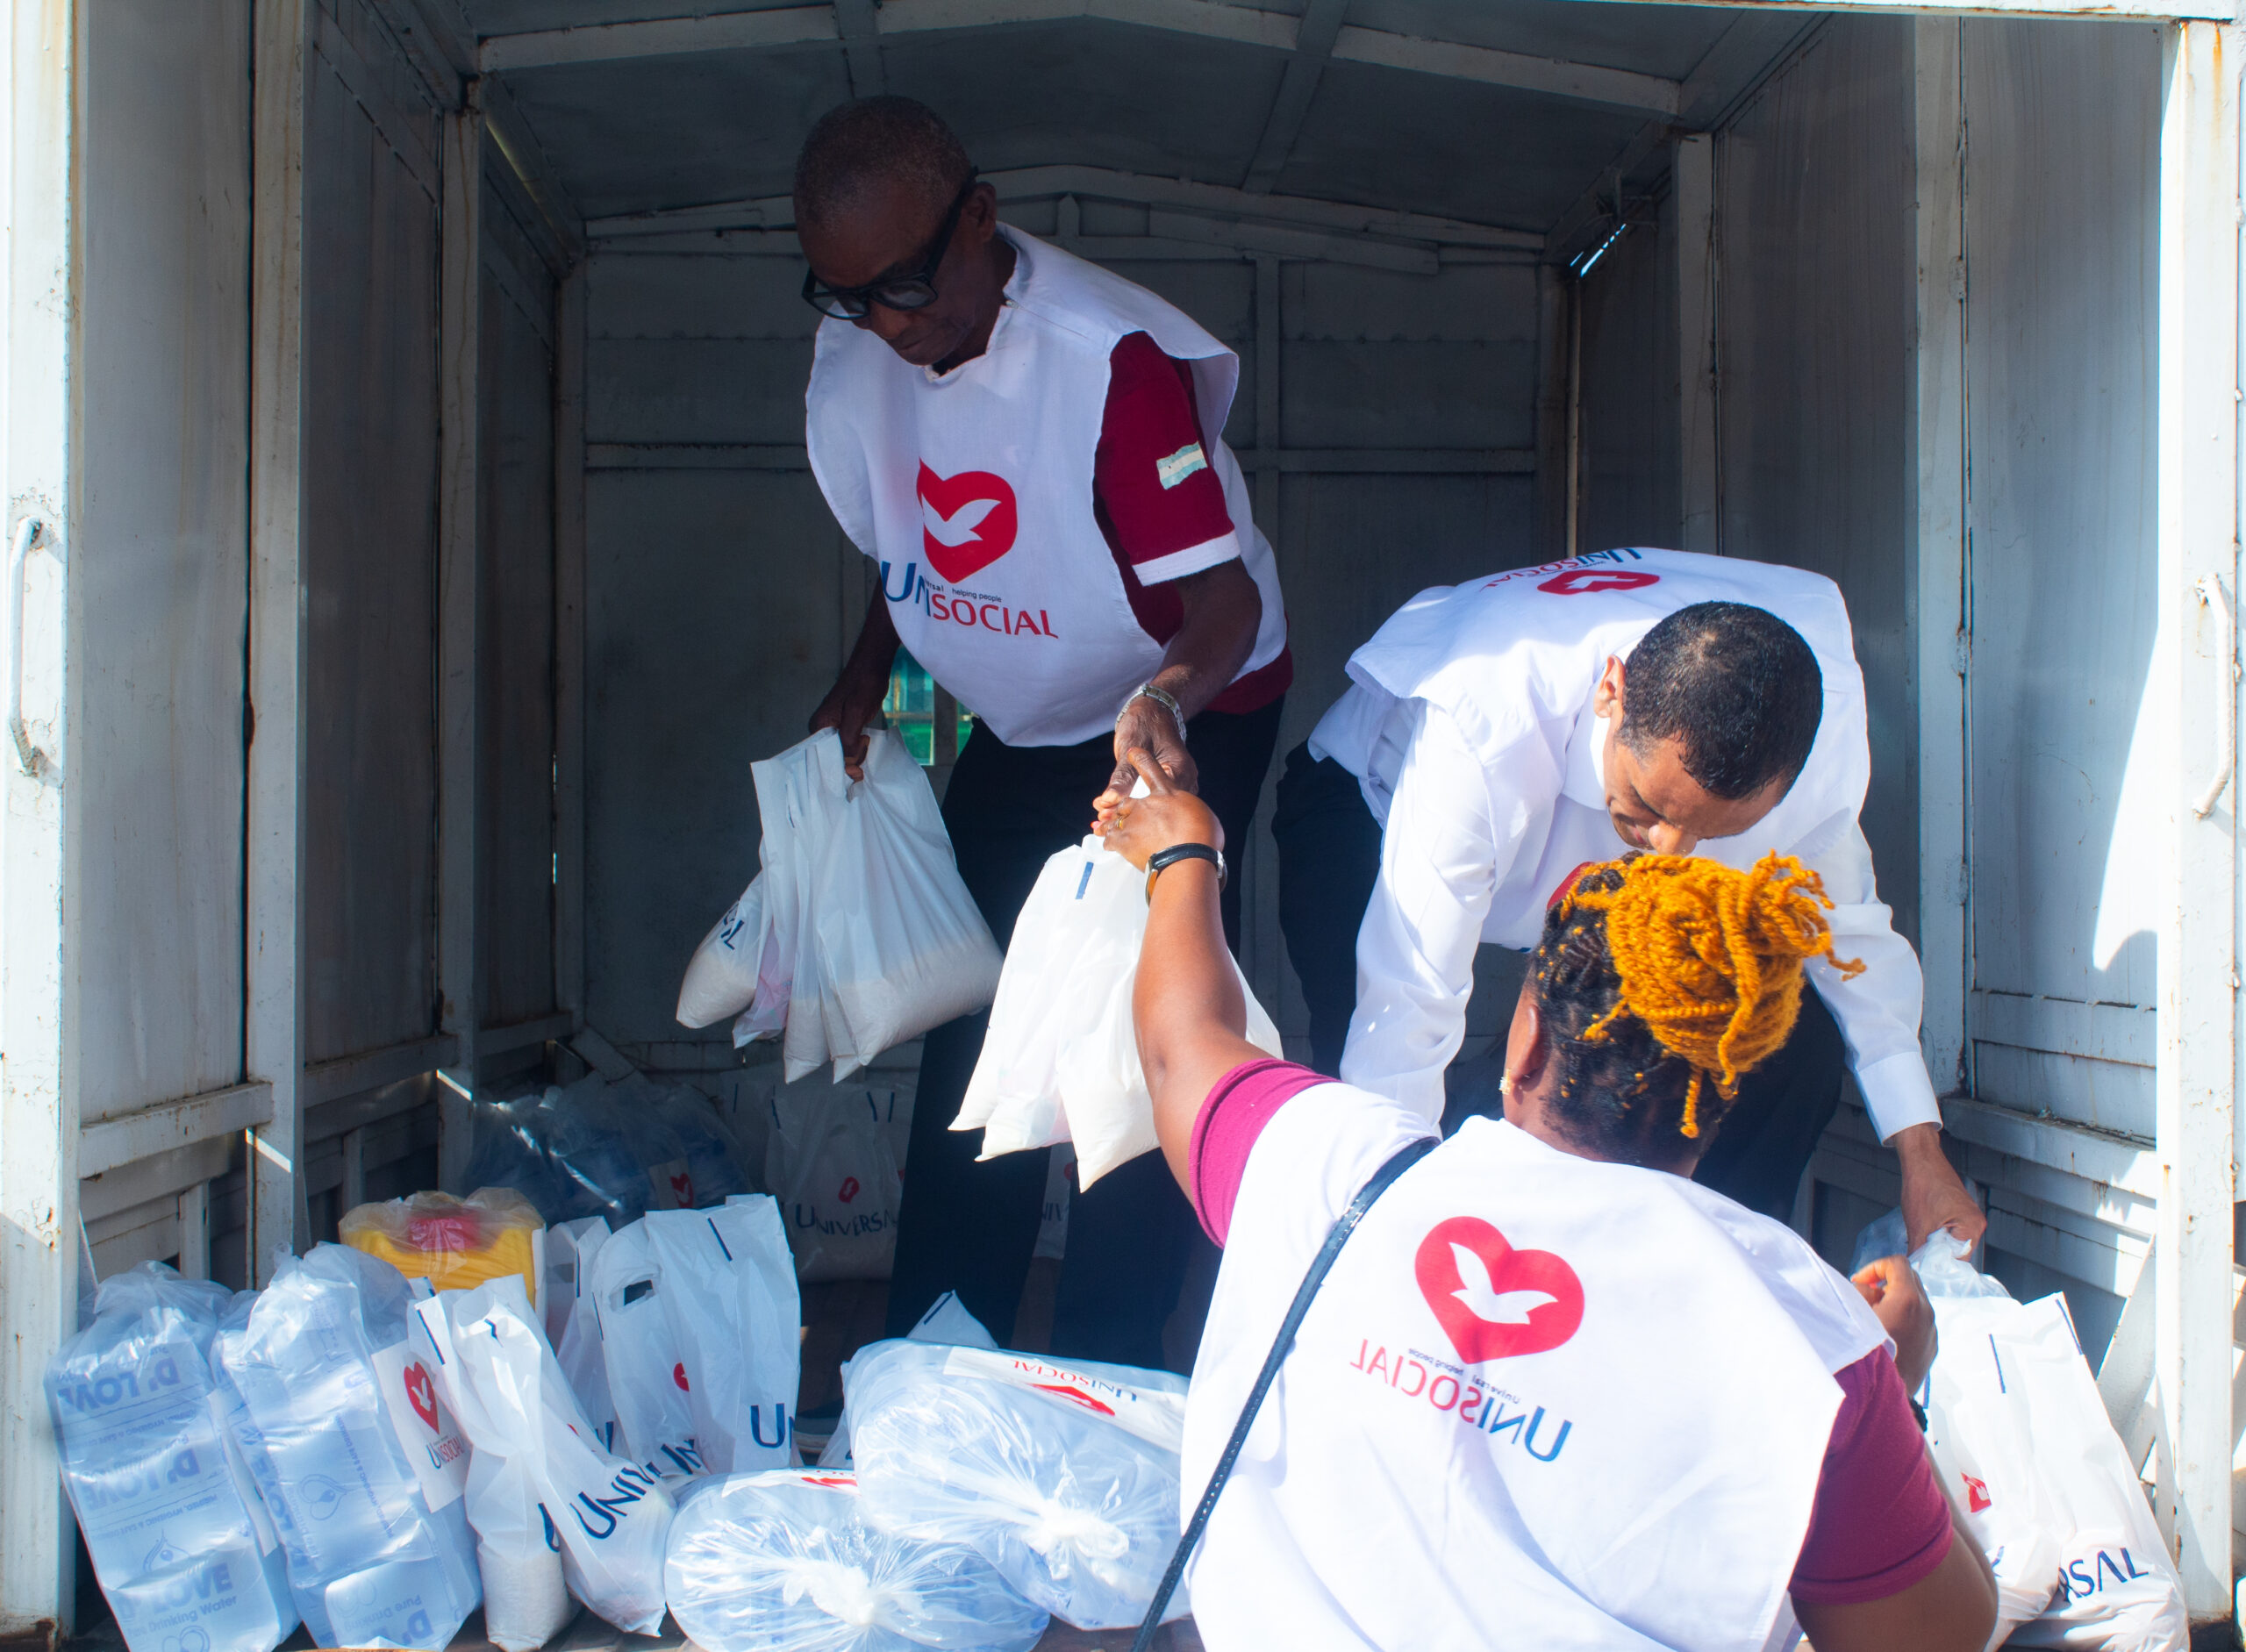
[1511,1307]
[959,527]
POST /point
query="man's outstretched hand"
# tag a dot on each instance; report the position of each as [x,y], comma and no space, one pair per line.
[1137,828]
[1933,1195]
[1145,726]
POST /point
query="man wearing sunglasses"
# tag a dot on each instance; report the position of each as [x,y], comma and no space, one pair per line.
[1028,448]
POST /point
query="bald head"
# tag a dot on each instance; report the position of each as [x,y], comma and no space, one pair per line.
[875,148]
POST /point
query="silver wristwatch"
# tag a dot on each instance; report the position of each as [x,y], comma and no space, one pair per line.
[1161,696]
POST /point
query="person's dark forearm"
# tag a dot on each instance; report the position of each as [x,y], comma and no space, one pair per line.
[875,650]
[1186,1002]
[1223,611]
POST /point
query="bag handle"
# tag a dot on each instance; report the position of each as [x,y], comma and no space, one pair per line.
[1320,1267]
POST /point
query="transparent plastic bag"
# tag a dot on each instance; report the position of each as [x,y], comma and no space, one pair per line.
[609,1517]
[172,1515]
[785,1562]
[455,1244]
[370,1547]
[1064,1476]
[1061,1061]
[713,1170]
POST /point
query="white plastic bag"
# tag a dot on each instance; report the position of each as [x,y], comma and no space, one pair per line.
[583,1360]
[526,1599]
[645,1365]
[1061,1061]
[2024,1443]
[367,1461]
[828,1162]
[722,975]
[1063,1476]
[609,1517]
[862,934]
[178,1533]
[785,1562]
[902,946]
[728,1286]
[2118,1589]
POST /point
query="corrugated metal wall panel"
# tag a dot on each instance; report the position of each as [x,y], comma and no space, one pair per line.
[2061,225]
[161,555]
[1813,195]
[1630,479]
[515,652]
[369,565]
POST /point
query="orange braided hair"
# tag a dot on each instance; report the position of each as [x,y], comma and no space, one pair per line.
[1710,959]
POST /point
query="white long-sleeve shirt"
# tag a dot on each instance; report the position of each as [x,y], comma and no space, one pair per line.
[1469,726]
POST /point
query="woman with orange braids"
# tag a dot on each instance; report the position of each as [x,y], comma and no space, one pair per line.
[1553,1394]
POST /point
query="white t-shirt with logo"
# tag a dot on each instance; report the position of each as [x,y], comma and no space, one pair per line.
[973,491]
[1469,725]
[1540,1402]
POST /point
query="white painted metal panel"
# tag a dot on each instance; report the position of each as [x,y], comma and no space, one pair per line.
[163,549]
[2060,232]
[1815,187]
[39,1123]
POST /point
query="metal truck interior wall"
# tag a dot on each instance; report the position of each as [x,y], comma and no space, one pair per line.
[1816,186]
[1388,419]
[558,571]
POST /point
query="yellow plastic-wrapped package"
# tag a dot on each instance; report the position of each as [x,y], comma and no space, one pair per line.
[453,1243]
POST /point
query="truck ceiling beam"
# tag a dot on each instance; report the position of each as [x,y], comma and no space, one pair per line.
[1102,184]
[1275,30]
[1322,26]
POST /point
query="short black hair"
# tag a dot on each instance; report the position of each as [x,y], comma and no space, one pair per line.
[871,137]
[1736,683]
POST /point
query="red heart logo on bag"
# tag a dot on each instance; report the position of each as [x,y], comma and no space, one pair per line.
[1977,1493]
[421,1394]
[1492,1301]
[1576,581]
[849,1190]
[683,1187]
[967,521]
[678,1376]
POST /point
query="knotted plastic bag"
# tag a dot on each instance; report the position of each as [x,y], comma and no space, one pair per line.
[785,1562]
[177,1525]
[364,1457]
[1063,1476]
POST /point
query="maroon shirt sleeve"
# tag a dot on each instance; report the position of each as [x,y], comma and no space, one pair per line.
[1153,479]
[1242,1103]
[1880,1523]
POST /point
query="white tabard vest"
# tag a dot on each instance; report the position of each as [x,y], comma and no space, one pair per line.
[1542,1401]
[973,492]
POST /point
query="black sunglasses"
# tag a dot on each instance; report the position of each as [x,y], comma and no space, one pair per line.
[916,291]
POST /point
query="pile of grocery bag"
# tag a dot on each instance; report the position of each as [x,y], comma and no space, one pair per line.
[461,1408]
[856,934]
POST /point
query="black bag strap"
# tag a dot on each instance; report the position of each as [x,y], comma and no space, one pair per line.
[1320,1267]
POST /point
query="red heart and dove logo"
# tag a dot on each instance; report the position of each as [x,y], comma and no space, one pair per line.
[678,1376]
[682,1188]
[1576,581]
[849,1190]
[421,1394]
[967,521]
[1495,1302]
[1076,1395]
[1977,1493]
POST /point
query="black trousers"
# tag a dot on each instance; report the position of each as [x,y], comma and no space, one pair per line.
[1329,859]
[970,1227]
